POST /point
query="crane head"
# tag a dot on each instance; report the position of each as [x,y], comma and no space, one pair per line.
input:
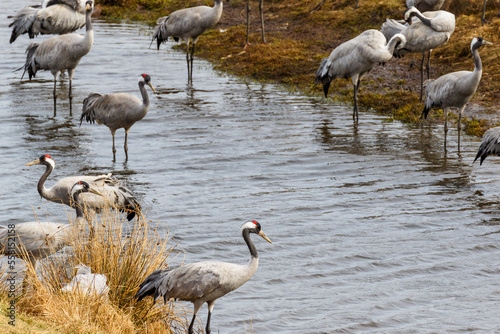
[254,227]
[89,5]
[83,187]
[147,80]
[40,160]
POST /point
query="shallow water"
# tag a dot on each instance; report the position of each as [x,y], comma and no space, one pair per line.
[374,228]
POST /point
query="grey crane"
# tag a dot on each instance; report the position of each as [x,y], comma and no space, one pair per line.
[114,193]
[489,145]
[117,110]
[60,53]
[203,282]
[261,11]
[426,32]
[33,241]
[357,57]
[55,17]
[455,89]
[187,25]
[425,5]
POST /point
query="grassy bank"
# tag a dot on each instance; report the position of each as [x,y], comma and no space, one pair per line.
[298,37]
[126,253]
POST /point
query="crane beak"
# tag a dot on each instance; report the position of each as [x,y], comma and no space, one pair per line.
[34,162]
[93,191]
[264,236]
[487,43]
[151,85]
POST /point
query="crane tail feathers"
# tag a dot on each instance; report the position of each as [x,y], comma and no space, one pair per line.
[150,285]
[89,108]
[30,64]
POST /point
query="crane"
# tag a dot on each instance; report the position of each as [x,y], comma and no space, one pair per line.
[117,110]
[114,193]
[426,32]
[206,281]
[55,17]
[357,57]
[60,53]
[33,241]
[187,25]
[489,145]
[455,89]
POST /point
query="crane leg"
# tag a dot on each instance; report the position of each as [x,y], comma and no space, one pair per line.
[210,309]
[114,149]
[483,19]
[191,65]
[355,111]
[261,9]
[460,124]
[248,22]
[422,77]
[428,66]
[356,5]
[187,60]
[126,146]
[190,329]
[70,96]
[54,95]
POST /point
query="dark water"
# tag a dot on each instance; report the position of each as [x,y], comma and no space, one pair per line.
[374,228]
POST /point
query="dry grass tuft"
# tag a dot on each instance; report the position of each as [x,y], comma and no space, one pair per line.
[126,253]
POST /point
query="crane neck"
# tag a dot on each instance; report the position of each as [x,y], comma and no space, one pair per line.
[88,21]
[78,207]
[477,59]
[144,93]
[41,183]
[395,41]
[422,18]
[251,246]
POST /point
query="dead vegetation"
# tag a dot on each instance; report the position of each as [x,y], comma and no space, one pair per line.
[126,253]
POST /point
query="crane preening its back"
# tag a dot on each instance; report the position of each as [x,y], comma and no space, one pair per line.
[203,282]
[117,110]
[60,53]
[426,32]
[55,17]
[113,193]
[454,90]
[356,57]
[187,25]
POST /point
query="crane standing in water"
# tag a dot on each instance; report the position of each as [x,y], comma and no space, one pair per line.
[117,110]
[61,53]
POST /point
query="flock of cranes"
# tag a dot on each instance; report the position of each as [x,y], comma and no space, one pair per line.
[426,28]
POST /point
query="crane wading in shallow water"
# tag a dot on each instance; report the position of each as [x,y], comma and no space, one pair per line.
[113,193]
[60,53]
[187,25]
[56,17]
[117,110]
[426,32]
[203,281]
[356,57]
[37,240]
[455,89]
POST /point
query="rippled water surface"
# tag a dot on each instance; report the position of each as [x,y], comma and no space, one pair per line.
[374,227]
